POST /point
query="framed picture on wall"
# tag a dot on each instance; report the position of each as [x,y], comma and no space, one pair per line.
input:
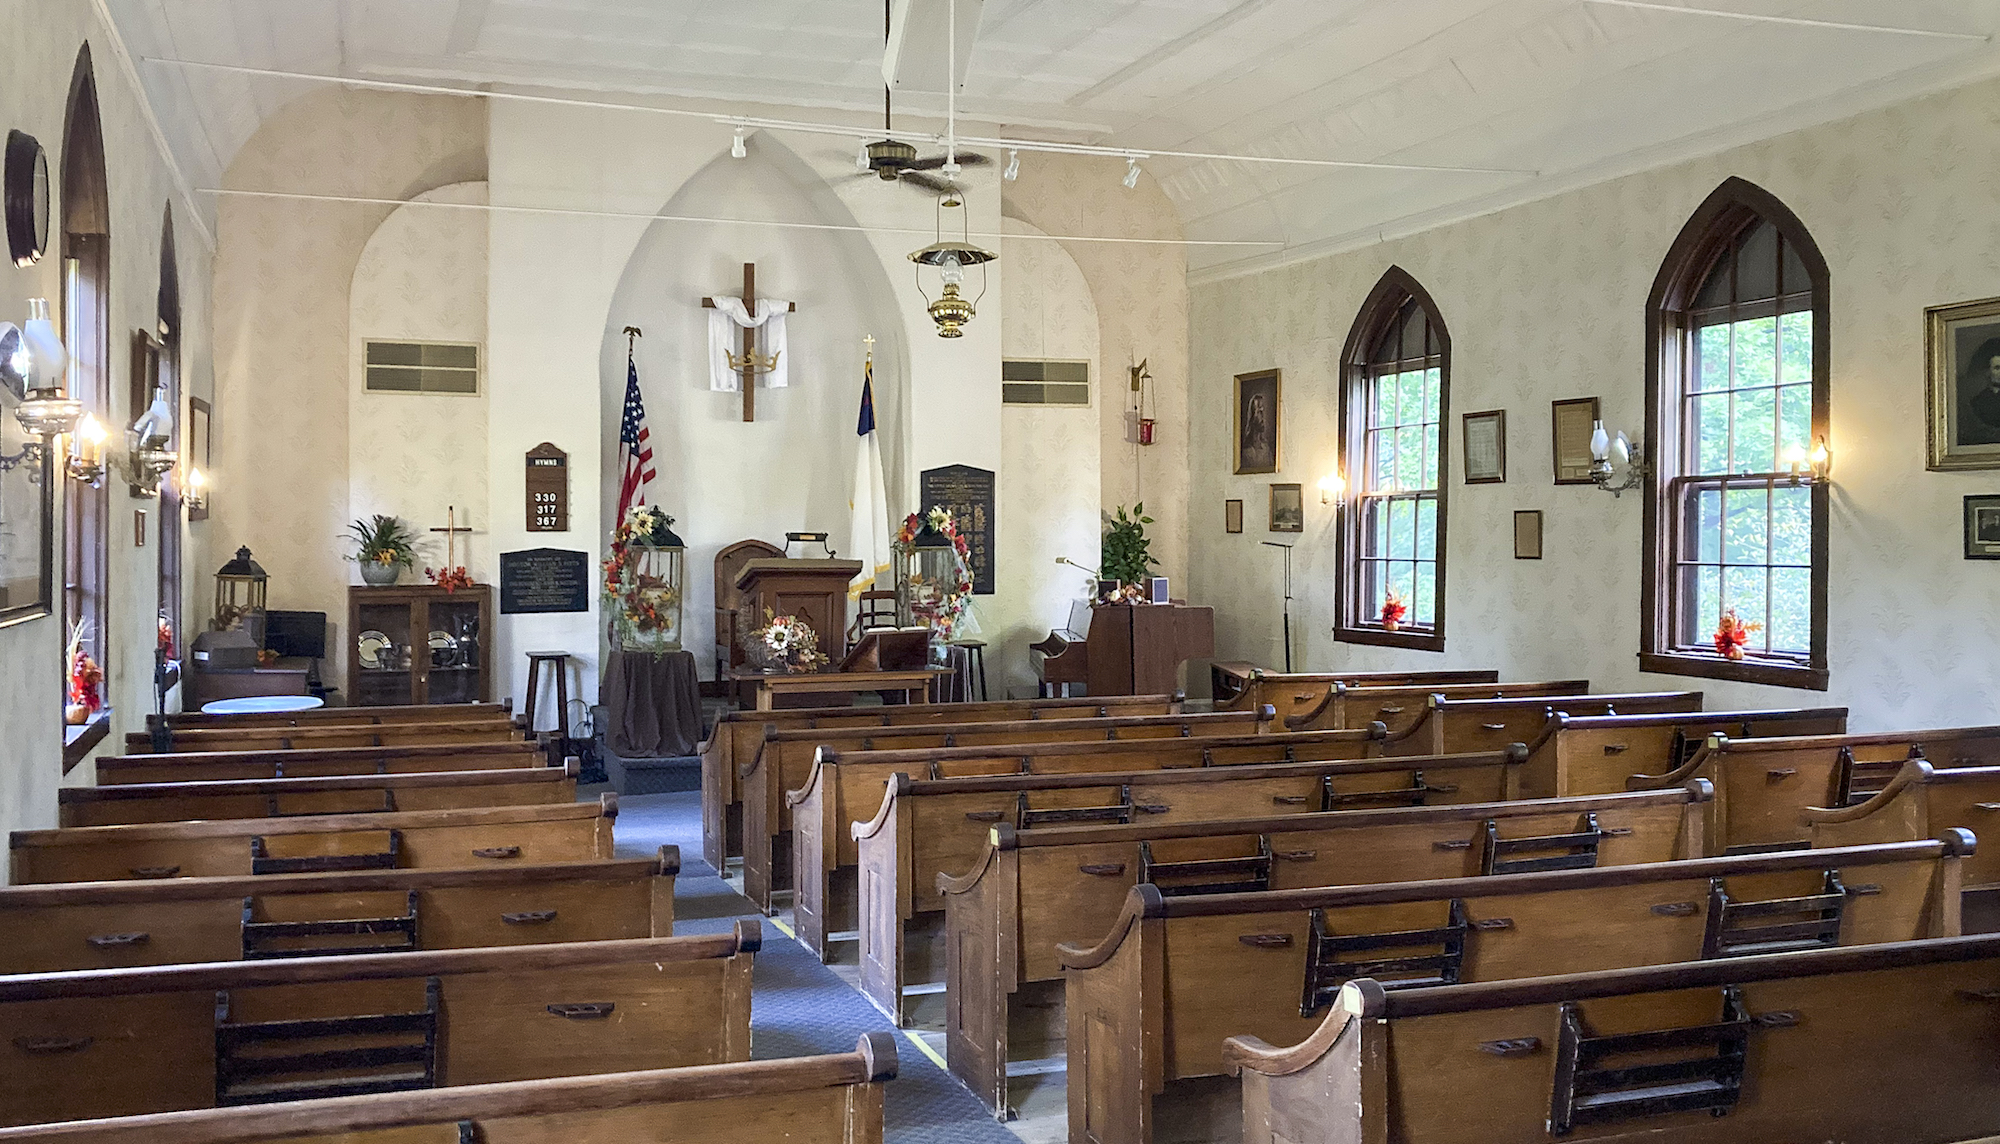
[1486,447]
[1982,527]
[1257,412]
[1288,508]
[1962,399]
[1528,534]
[198,448]
[1232,516]
[1571,422]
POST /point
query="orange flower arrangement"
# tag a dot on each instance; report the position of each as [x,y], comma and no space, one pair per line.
[1393,611]
[450,579]
[1731,634]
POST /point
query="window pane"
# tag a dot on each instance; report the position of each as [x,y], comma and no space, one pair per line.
[1715,288]
[1791,610]
[1382,450]
[1427,529]
[1756,352]
[1403,578]
[1757,264]
[1710,415]
[1410,457]
[1423,609]
[1402,528]
[1791,525]
[1410,397]
[1796,344]
[1415,324]
[1430,475]
[1707,544]
[1382,409]
[1711,356]
[1705,590]
[1755,446]
[1433,393]
[1794,419]
[1744,533]
[1743,590]
[1375,532]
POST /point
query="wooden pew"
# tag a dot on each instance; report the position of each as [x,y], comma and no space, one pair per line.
[1763,785]
[738,735]
[941,827]
[1399,708]
[832,1099]
[121,1042]
[229,738]
[1965,798]
[1177,976]
[1876,1044]
[210,766]
[1449,726]
[340,794]
[341,716]
[1033,890]
[774,779]
[1596,754]
[1292,693]
[105,925]
[479,836]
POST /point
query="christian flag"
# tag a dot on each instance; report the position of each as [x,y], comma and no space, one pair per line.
[868,528]
[635,447]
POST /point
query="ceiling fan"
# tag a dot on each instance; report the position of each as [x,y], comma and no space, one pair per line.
[893,160]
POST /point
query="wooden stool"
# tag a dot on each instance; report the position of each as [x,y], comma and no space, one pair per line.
[560,661]
[975,666]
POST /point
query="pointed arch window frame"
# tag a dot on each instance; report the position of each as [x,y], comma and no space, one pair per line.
[1731,210]
[1353,623]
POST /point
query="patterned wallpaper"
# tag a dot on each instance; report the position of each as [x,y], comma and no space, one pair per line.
[1546,301]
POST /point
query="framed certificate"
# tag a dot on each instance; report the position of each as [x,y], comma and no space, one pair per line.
[1486,447]
[1572,422]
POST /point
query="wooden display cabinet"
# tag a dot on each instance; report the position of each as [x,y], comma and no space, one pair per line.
[419,644]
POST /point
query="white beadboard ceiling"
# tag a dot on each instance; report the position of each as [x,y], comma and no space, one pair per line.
[1564,91]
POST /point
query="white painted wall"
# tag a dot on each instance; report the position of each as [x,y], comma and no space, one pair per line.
[45,36]
[1547,301]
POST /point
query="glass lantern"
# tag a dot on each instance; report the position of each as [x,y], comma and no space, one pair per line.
[648,617]
[925,576]
[239,597]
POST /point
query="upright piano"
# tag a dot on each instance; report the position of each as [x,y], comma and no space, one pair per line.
[1128,649]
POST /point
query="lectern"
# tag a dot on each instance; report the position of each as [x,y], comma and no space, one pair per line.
[813,590]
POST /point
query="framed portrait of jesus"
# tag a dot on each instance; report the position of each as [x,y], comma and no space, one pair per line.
[1962,346]
[1257,410]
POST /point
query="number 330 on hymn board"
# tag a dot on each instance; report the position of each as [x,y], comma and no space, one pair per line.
[548,489]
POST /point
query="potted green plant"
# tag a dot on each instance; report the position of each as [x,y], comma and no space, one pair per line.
[383,546]
[1127,557]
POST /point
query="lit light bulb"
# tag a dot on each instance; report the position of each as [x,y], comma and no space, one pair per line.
[1013,170]
[736,148]
[1131,173]
[90,437]
[1819,457]
[1332,487]
[195,481]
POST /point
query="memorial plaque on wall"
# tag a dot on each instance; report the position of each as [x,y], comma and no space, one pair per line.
[545,580]
[548,489]
[966,493]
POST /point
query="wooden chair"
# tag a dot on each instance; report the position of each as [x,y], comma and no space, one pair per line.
[107,925]
[1033,890]
[343,794]
[320,762]
[773,782]
[834,1099]
[739,735]
[1177,976]
[481,836]
[123,1042]
[1737,1051]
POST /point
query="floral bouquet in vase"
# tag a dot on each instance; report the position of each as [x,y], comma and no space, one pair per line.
[1732,634]
[785,643]
[642,582]
[1393,611]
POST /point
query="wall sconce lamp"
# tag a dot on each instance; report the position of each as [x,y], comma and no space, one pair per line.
[86,463]
[1608,454]
[150,439]
[194,490]
[32,360]
[1332,489]
[1817,464]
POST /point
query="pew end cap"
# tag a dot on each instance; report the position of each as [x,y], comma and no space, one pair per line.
[878,1054]
[608,804]
[1700,790]
[749,935]
[669,861]
[1959,842]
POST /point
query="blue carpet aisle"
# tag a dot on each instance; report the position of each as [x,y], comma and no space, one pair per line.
[799,1006]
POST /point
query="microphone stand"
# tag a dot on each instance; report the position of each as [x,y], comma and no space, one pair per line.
[1288,601]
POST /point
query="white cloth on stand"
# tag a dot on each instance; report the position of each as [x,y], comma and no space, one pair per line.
[725,320]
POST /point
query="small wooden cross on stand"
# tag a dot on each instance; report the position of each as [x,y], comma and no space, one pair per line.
[451,531]
[749,367]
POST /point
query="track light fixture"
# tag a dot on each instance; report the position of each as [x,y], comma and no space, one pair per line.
[736,148]
[1013,170]
[1131,171]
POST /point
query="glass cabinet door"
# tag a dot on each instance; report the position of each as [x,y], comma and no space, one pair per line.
[382,655]
[453,649]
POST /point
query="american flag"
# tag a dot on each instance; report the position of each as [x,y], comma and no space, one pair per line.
[635,449]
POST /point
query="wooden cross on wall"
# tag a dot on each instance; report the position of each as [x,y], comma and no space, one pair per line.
[451,531]
[749,368]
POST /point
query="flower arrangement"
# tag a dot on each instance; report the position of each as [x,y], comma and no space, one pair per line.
[1731,634]
[784,643]
[164,641]
[641,587]
[86,679]
[383,540]
[1393,611]
[450,579]
[931,602]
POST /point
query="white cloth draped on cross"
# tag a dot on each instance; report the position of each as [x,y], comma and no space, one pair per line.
[725,320]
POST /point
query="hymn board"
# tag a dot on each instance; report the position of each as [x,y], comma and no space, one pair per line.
[548,489]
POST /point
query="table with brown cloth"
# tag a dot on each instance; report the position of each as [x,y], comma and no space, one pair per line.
[652,705]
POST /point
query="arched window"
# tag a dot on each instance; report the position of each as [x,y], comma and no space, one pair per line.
[169,379]
[1737,395]
[86,324]
[1395,399]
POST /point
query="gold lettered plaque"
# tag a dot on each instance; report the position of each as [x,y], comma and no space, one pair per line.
[548,489]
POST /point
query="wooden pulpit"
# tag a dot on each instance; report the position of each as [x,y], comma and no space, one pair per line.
[1138,649]
[813,590]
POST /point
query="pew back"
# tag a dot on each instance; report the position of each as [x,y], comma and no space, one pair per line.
[1449,726]
[106,925]
[1296,692]
[484,836]
[1595,754]
[341,794]
[217,766]
[121,1042]
[1965,798]
[1399,708]
[343,716]
[497,729]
